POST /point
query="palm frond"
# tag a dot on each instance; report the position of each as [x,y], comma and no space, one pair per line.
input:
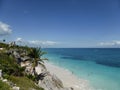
[37,53]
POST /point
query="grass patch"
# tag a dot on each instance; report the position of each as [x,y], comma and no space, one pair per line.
[24,83]
[4,86]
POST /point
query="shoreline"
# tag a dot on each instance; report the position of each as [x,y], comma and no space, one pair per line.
[68,78]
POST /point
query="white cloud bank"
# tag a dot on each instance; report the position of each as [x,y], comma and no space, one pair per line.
[5,29]
[35,42]
[112,43]
[19,40]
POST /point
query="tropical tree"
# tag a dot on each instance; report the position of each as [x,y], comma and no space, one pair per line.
[36,54]
[4,40]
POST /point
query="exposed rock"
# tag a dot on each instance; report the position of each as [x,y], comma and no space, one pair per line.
[16,54]
[16,88]
[32,89]
[57,81]
[1,48]
[25,63]
[40,69]
[49,81]
[4,80]
[25,58]
[0,73]
[52,82]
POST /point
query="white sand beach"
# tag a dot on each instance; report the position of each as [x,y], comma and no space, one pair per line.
[68,79]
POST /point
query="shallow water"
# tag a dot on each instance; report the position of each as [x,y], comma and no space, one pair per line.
[100,66]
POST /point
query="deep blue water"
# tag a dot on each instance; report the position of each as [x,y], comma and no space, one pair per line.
[101,66]
[108,56]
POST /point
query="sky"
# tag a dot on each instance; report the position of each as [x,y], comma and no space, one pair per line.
[61,23]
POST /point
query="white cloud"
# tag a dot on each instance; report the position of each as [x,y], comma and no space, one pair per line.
[107,43]
[19,40]
[117,42]
[37,42]
[112,43]
[5,29]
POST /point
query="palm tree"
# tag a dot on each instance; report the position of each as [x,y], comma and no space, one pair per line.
[36,54]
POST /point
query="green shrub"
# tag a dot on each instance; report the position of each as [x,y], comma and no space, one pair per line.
[24,83]
[6,76]
[3,45]
[9,65]
[31,77]
[4,86]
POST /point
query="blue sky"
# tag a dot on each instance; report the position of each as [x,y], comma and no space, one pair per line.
[62,23]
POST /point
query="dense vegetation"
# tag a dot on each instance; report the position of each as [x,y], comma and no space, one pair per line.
[9,66]
[13,71]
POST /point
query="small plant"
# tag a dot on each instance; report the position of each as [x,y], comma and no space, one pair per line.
[31,77]
[6,76]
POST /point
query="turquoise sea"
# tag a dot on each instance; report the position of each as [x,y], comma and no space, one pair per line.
[100,66]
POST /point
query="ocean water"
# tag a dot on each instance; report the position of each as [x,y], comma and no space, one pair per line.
[101,67]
